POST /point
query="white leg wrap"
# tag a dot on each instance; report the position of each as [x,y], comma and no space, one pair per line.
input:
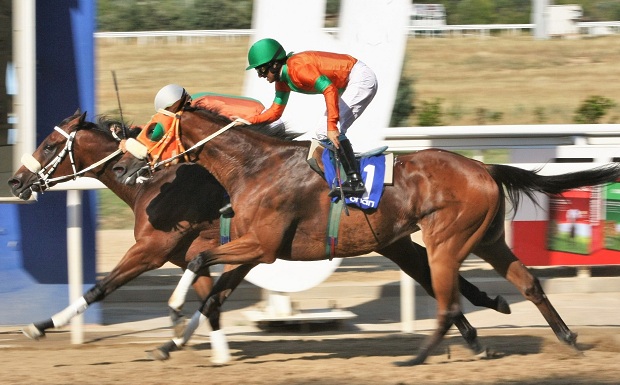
[62,318]
[219,347]
[177,299]
[197,319]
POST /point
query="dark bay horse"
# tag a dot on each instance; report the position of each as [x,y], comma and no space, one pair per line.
[176,213]
[176,216]
[282,206]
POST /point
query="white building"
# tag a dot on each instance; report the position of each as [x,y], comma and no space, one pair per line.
[428,15]
[563,19]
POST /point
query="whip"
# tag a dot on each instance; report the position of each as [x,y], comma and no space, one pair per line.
[120,110]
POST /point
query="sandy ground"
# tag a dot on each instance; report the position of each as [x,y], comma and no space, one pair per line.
[521,356]
[328,353]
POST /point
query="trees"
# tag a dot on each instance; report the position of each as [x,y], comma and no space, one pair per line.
[167,15]
[152,15]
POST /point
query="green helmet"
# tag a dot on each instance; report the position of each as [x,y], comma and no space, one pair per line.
[265,51]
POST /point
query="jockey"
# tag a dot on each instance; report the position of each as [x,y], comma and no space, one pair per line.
[347,84]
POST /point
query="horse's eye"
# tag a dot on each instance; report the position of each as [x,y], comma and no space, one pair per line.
[49,148]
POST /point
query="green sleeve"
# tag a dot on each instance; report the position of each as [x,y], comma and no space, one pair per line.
[281,97]
[322,83]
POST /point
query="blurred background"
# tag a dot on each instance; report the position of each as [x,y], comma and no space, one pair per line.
[499,73]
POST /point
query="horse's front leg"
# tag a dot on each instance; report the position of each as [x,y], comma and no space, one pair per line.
[444,259]
[203,285]
[413,260]
[129,267]
[210,309]
[445,320]
[245,249]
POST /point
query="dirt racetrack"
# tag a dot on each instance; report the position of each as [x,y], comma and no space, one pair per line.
[521,356]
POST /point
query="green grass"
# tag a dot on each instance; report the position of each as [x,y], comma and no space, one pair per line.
[113,212]
[577,245]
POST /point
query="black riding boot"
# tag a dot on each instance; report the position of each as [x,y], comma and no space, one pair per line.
[354,185]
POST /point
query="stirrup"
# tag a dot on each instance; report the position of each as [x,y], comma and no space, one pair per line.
[227,209]
[357,189]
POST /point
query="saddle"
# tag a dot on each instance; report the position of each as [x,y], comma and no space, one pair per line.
[379,174]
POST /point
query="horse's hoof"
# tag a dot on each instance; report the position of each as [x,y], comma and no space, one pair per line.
[219,348]
[158,355]
[502,305]
[218,362]
[570,339]
[33,332]
[484,354]
[220,359]
[412,362]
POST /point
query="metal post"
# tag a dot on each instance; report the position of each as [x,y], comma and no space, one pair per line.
[74,259]
[540,19]
[407,303]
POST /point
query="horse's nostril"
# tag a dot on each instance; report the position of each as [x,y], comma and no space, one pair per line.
[118,170]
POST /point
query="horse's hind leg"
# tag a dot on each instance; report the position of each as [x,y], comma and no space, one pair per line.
[508,265]
[413,260]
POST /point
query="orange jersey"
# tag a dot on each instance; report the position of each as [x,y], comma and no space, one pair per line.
[229,105]
[311,72]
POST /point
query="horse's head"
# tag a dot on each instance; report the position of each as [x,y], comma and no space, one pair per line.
[74,148]
[159,144]
[130,169]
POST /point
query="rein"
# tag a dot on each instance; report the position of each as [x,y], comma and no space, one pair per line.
[46,172]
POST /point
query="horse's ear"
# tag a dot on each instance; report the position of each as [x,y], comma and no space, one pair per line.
[82,118]
[181,103]
[77,112]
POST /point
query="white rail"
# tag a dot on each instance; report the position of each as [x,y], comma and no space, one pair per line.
[484,29]
[551,149]
[502,136]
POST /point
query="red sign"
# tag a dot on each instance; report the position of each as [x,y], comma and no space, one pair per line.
[578,231]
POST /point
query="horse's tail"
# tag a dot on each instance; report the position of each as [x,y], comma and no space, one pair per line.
[518,181]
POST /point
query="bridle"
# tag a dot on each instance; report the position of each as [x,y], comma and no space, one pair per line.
[45,173]
[199,143]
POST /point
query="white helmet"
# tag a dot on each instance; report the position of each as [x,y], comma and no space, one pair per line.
[168,95]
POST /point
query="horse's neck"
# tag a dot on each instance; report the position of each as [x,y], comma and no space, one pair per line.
[236,154]
[127,193]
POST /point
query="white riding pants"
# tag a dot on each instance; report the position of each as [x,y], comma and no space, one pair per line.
[360,91]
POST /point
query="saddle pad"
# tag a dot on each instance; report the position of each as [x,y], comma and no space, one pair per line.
[372,169]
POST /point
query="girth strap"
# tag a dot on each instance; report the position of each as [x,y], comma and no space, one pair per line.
[335,211]
[225,228]
[333,225]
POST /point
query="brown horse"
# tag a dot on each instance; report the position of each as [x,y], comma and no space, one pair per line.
[176,215]
[168,228]
[282,207]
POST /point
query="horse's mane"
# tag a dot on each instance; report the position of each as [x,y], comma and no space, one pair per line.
[278,131]
[103,123]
